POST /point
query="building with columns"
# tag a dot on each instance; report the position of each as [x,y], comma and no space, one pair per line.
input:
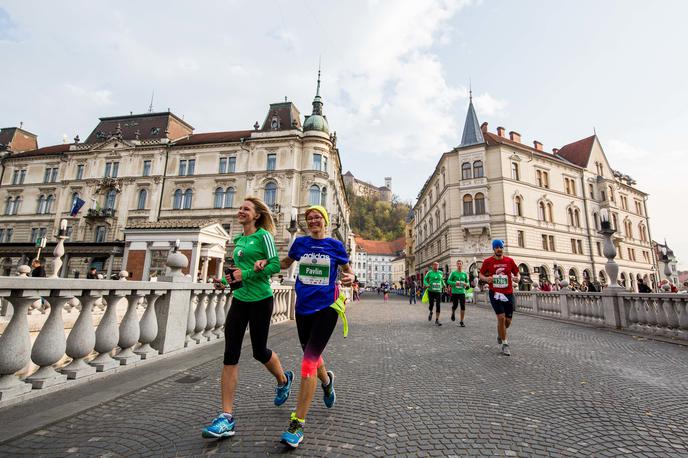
[544,204]
[152,169]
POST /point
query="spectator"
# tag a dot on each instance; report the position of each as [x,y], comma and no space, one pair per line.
[92,274]
[38,269]
[642,287]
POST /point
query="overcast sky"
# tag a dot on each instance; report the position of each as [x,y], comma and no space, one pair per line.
[395,76]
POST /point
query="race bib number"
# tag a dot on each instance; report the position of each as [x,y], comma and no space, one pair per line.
[436,285]
[314,269]
[500,281]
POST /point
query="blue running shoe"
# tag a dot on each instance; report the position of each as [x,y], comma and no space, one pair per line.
[328,391]
[282,391]
[221,427]
[293,436]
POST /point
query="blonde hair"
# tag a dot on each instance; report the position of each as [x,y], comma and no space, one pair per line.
[264,214]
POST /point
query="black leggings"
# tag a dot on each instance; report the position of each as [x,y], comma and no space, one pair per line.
[456,298]
[434,299]
[315,331]
[241,314]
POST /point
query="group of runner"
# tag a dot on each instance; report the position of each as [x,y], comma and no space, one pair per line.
[498,271]
[319,304]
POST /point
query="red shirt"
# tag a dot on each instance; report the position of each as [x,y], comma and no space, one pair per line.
[501,272]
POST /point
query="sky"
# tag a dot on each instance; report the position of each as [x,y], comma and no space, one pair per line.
[395,76]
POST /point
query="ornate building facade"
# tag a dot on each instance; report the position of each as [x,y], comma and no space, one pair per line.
[152,167]
[544,205]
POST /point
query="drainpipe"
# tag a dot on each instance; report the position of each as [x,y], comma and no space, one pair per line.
[164,178]
[587,225]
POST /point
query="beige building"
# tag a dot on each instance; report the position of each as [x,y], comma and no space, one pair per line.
[399,270]
[372,262]
[544,205]
[152,167]
[362,188]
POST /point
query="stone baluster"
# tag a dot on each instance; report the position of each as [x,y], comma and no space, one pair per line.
[129,330]
[82,338]
[211,316]
[15,346]
[23,271]
[201,318]
[50,345]
[220,313]
[107,333]
[148,327]
[631,310]
[191,320]
[650,316]
[682,313]
[671,323]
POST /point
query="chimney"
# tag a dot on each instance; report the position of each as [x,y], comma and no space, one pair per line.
[515,136]
[501,131]
[555,150]
[537,145]
[483,127]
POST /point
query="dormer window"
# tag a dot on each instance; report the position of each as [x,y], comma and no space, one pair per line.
[275,123]
[155,130]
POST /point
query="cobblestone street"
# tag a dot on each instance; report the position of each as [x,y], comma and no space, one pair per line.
[407,387]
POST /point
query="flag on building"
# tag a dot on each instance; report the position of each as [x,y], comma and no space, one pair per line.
[78,203]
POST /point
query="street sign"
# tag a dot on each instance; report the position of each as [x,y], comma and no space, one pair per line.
[40,242]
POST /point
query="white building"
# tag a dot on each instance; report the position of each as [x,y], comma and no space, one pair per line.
[373,261]
[545,205]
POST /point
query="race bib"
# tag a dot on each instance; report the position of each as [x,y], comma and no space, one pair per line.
[500,281]
[436,285]
[314,269]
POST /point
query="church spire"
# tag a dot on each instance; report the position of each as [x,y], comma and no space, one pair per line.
[317,100]
[472,135]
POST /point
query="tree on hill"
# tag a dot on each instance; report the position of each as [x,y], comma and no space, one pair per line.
[375,219]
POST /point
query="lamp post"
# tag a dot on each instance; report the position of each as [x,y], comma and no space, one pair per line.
[59,249]
[609,250]
[292,229]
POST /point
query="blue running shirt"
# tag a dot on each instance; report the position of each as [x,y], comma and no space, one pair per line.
[318,262]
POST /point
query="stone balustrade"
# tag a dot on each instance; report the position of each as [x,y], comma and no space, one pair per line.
[160,317]
[663,314]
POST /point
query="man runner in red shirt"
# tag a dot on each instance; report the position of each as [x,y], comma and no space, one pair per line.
[499,272]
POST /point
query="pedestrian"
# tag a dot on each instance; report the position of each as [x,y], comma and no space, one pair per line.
[356,291]
[434,281]
[642,287]
[458,280]
[37,269]
[499,272]
[319,303]
[412,292]
[92,274]
[385,291]
[252,305]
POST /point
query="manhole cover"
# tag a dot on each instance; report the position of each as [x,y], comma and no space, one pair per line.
[189,379]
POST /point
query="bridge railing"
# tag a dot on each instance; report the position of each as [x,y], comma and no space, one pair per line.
[663,314]
[58,330]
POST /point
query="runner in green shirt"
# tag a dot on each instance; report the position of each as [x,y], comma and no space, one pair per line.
[458,280]
[252,304]
[434,281]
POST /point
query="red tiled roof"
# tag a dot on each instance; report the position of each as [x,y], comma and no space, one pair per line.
[215,137]
[381,247]
[45,151]
[494,139]
[578,152]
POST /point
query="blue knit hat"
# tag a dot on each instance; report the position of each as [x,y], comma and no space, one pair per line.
[496,243]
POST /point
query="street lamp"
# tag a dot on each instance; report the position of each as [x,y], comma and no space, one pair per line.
[609,250]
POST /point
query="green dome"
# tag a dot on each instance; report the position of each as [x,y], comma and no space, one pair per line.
[316,122]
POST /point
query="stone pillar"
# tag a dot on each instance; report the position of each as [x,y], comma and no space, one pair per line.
[145,276]
[612,317]
[204,269]
[111,264]
[220,272]
[65,268]
[195,252]
[125,256]
[172,309]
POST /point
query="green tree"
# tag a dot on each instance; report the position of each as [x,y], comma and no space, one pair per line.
[375,219]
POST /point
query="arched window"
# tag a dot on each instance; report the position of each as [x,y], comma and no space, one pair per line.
[576,215]
[615,222]
[518,206]
[49,203]
[17,205]
[177,202]
[75,196]
[430,224]
[570,213]
[629,229]
[550,212]
[110,198]
[40,208]
[467,205]
[9,203]
[143,196]
[541,211]
[596,218]
[643,232]
[478,169]
[188,197]
[515,172]
[323,196]
[270,196]
[479,204]
[466,171]
[314,195]
[229,198]
[219,197]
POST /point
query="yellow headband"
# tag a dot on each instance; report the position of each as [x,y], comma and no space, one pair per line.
[320,209]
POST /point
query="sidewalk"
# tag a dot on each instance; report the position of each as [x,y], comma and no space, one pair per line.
[404,386]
